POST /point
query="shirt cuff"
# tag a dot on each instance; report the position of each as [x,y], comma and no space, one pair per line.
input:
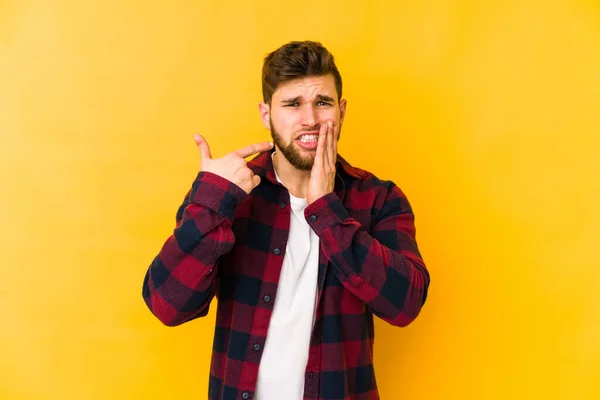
[217,193]
[326,212]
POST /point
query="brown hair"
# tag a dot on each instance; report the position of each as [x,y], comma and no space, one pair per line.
[296,60]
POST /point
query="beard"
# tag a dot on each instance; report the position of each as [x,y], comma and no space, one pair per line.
[300,161]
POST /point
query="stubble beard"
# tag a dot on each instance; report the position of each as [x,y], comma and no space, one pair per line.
[291,152]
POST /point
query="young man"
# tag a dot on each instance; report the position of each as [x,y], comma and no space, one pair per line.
[300,248]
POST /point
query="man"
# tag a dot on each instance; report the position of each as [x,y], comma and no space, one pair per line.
[300,248]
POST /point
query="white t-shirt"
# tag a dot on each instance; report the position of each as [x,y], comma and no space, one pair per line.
[285,354]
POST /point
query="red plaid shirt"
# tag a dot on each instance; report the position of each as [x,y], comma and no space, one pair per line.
[231,245]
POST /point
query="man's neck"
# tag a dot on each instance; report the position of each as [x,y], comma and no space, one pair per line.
[295,180]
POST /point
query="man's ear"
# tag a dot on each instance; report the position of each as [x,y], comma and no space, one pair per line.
[342,110]
[265,113]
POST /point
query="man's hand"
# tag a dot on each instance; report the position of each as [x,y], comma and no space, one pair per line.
[322,175]
[232,167]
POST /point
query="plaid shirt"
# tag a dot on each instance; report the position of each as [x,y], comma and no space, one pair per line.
[231,245]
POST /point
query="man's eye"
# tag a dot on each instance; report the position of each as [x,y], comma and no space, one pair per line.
[323,103]
[292,105]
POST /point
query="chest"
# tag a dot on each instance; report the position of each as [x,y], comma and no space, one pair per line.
[268,232]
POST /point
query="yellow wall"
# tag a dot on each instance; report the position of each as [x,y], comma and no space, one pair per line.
[487,114]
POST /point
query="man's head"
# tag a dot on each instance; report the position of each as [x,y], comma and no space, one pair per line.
[302,89]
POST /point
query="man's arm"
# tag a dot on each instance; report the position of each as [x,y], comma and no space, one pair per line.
[182,279]
[385,268]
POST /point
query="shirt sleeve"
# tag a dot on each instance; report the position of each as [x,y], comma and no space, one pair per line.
[382,267]
[182,279]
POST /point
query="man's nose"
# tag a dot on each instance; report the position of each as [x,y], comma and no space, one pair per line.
[309,116]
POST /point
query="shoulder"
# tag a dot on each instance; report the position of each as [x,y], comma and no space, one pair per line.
[384,194]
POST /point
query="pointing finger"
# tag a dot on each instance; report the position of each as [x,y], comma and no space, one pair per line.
[253,149]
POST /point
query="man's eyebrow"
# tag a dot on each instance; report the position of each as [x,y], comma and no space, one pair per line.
[294,100]
[325,98]
[320,97]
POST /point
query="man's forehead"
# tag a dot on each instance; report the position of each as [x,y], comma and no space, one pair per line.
[307,87]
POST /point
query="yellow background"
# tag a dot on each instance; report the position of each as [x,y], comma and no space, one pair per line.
[486,113]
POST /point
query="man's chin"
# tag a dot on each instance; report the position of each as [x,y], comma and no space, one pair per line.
[299,158]
[304,163]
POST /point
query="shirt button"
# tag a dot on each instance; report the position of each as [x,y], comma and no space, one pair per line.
[267,298]
[313,218]
[256,347]
[245,395]
[277,251]
[282,205]
[311,375]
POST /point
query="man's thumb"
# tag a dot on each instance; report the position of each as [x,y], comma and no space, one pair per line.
[203,146]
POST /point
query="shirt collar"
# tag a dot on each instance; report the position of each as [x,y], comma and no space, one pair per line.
[262,165]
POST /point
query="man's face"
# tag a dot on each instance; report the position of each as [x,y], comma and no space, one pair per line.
[297,110]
